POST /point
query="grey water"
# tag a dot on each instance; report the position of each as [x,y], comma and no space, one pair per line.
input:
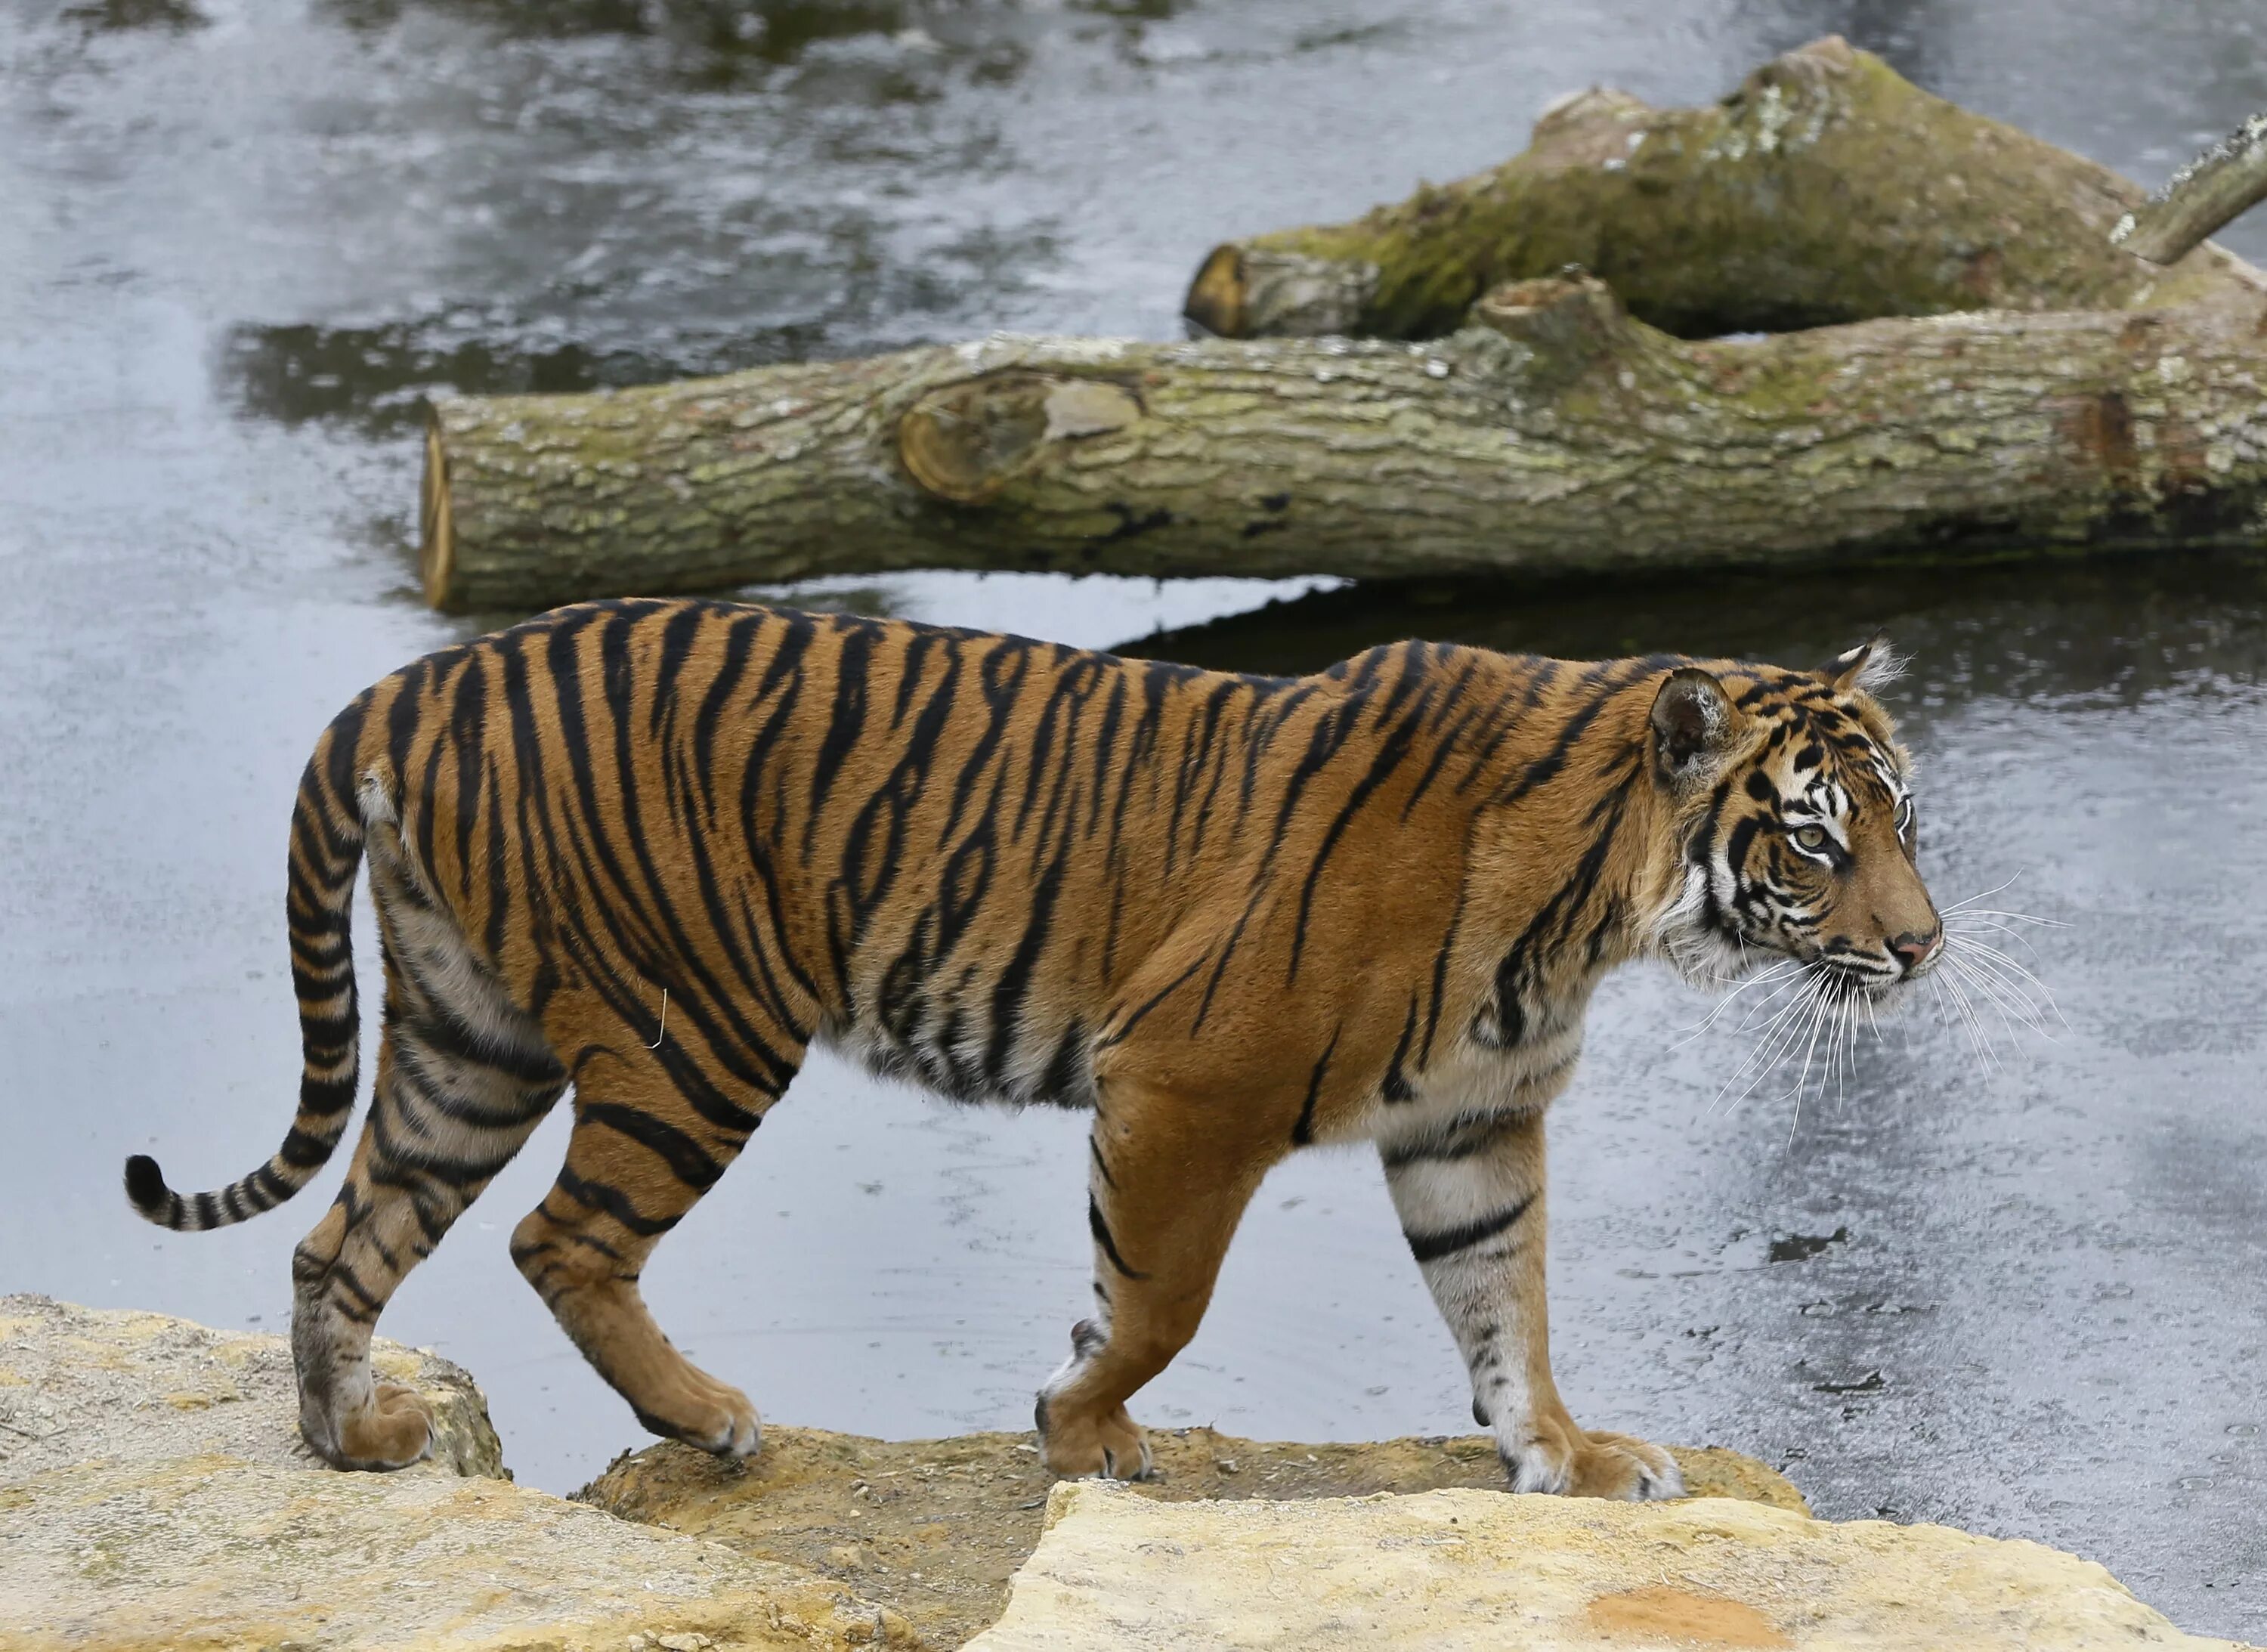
[2010,1282]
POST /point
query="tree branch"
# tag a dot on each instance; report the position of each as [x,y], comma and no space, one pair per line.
[2212,191]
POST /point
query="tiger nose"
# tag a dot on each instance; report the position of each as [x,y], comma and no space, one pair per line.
[1914,949]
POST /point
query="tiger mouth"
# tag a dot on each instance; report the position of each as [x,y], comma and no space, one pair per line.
[1877,982]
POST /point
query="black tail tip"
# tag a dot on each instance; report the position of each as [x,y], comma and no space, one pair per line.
[145,1184]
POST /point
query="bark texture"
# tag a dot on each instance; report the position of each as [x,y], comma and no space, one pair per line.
[1826,190]
[1554,431]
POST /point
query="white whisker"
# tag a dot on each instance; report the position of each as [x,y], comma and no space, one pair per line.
[1962,906]
[2013,975]
[1777,972]
[1809,1049]
[1991,997]
[1779,1035]
[1764,1003]
[1970,1022]
[1962,914]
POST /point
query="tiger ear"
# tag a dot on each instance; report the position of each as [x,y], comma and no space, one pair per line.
[1694,724]
[1869,666]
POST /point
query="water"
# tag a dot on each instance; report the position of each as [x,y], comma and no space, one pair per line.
[238,241]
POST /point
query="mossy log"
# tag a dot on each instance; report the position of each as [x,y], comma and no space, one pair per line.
[1554,431]
[2045,385]
[1826,190]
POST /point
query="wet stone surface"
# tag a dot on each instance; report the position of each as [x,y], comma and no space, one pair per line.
[238,238]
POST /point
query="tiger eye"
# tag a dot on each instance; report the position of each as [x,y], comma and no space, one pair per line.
[1813,838]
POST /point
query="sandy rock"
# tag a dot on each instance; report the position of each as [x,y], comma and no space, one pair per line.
[1449,1570]
[154,1493]
[935,1529]
[78,1385]
[198,1552]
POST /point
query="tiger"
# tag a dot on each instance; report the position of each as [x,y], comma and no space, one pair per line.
[653,850]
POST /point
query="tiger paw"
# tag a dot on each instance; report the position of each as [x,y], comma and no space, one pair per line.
[1080,1446]
[1625,1468]
[694,1407]
[1553,1456]
[394,1430]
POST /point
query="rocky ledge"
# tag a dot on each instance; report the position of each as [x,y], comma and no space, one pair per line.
[152,1495]
[935,1530]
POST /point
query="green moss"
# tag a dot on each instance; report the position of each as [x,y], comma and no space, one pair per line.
[1826,190]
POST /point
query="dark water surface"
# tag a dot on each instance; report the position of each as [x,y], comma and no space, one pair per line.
[239,240]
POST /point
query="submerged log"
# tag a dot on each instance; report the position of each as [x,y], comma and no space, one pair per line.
[1552,432]
[1826,190]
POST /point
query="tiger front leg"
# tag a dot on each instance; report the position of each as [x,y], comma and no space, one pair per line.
[1165,1190]
[1470,1201]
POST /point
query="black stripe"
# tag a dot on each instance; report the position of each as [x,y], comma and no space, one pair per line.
[1065,1083]
[739,639]
[1394,1086]
[1431,1247]
[1391,752]
[1459,1139]
[323,1096]
[1441,978]
[468,728]
[1124,1030]
[844,725]
[1303,1132]
[1015,982]
[614,1202]
[1101,1231]
[684,1156]
[301,1151]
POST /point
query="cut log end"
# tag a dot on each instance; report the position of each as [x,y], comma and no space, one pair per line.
[1215,300]
[1248,290]
[437,551]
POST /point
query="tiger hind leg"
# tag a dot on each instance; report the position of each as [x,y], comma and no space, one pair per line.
[463,1080]
[653,1132]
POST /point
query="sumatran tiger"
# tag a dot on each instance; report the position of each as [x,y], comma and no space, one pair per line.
[653,850]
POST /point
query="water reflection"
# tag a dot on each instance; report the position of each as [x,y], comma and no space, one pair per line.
[2110,630]
[175,17]
[764,31]
[1914,36]
[377,379]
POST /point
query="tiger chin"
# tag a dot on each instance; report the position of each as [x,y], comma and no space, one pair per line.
[655,850]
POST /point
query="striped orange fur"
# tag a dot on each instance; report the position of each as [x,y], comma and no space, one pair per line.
[651,851]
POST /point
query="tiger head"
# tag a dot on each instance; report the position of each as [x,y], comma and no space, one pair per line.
[1790,797]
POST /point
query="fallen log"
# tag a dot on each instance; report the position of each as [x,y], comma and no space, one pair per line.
[1555,432]
[2003,372]
[1828,188]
